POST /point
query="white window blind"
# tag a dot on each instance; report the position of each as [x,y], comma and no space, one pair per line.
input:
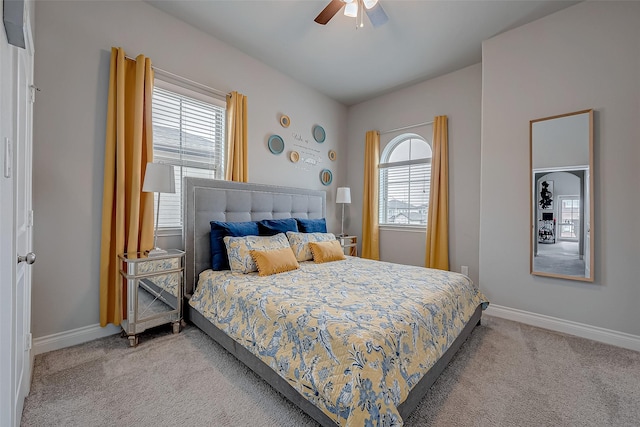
[189,134]
[405,181]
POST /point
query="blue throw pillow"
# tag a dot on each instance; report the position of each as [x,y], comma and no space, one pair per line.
[219,229]
[312,225]
[271,227]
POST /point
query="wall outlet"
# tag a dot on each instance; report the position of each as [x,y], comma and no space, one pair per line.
[464,270]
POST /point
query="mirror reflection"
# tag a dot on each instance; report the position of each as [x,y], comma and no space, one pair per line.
[561,190]
[157,295]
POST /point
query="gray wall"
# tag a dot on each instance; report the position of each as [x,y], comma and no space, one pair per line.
[586,56]
[73,42]
[458,96]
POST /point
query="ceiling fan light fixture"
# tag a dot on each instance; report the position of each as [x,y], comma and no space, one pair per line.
[351,9]
[369,3]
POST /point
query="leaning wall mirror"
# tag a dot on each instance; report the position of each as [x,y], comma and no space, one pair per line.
[561,187]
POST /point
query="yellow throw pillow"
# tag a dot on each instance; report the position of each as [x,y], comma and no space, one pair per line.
[326,251]
[274,261]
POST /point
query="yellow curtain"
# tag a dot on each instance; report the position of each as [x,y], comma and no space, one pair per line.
[127,212]
[370,232]
[237,153]
[438,217]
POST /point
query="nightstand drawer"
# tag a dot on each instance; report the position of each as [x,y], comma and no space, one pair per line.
[139,264]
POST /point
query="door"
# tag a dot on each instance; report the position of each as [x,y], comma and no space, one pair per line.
[16,218]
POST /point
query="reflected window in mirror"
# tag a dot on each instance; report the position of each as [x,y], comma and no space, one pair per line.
[561,188]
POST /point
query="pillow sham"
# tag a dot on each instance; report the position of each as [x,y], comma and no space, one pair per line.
[220,229]
[300,243]
[312,225]
[239,250]
[271,227]
[326,251]
[274,261]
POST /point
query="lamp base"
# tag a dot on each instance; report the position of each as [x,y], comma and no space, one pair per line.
[156,252]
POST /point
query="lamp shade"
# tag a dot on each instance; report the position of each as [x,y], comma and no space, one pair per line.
[159,178]
[369,3]
[351,9]
[344,195]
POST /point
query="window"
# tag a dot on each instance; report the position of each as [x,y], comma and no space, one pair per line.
[188,132]
[405,177]
[569,224]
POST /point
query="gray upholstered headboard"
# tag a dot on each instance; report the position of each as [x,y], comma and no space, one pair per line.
[214,200]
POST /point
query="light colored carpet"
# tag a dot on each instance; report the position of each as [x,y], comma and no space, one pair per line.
[506,374]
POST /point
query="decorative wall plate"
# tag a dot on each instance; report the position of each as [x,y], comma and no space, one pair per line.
[318,134]
[326,177]
[294,156]
[332,155]
[285,121]
[276,144]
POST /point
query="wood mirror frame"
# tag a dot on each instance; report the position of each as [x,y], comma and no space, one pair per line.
[561,196]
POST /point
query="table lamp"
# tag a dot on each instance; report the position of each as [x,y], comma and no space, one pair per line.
[343,196]
[158,178]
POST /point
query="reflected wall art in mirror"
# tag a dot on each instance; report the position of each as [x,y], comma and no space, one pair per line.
[561,189]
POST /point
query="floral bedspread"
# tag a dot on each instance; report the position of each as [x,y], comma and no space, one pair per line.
[351,336]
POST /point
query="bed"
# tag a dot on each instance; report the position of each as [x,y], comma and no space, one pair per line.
[347,346]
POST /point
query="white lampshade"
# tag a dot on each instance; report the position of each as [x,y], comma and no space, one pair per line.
[369,3]
[159,178]
[343,195]
[351,9]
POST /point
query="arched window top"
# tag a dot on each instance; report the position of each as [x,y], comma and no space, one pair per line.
[405,180]
[406,148]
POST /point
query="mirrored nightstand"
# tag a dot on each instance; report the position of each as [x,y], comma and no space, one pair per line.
[152,293]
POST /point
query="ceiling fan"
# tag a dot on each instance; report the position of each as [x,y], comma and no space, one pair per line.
[355,9]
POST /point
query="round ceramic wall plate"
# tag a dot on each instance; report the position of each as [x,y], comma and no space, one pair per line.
[332,155]
[276,144]
[285,121]
[294,156]
[326,177]
[318,134]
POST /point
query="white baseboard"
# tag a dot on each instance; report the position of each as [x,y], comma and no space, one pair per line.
[73,337]
[607,336]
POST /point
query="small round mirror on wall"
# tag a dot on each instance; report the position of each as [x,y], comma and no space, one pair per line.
[275,144]
[326,176]
[318,134]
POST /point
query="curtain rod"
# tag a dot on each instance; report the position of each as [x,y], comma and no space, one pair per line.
[406,127]
[184,79]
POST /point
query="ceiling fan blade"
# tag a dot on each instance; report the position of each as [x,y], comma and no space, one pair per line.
[377,15]
[328,12]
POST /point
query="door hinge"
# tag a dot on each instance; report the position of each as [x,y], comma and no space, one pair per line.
[28,338]
[34,89]
[30,218]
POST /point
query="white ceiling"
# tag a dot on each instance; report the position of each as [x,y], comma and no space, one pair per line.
[423,39]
